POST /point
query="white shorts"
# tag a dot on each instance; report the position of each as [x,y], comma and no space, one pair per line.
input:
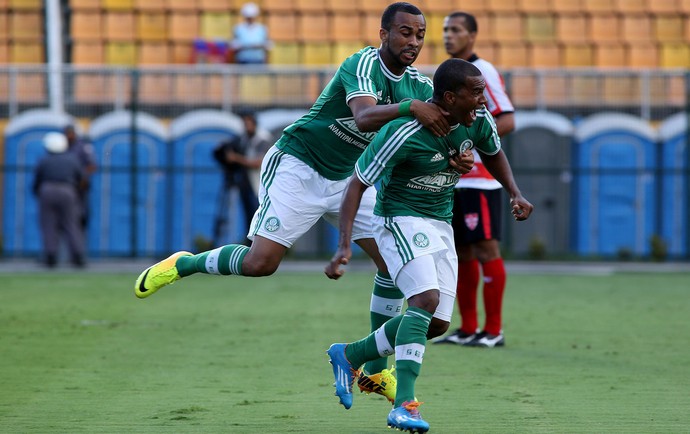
[293,196]
[420,255]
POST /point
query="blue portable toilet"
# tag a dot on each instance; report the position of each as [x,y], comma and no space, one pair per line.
[23,149]
[198,178]
[540,153]
[673,134]
[615,160]
[128,217]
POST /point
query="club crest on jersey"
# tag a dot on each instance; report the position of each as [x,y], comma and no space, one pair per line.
[420,240]
[471,220]
[349,125]
[466,145]
[272,224]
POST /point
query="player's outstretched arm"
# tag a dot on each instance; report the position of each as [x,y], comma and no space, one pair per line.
[371,117]
[349,205]
[499,168]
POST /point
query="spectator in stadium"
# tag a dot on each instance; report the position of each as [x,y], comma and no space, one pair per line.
[412,227]
[477,212]
[250,43]
[304,174]
[57,182]
[241,159]
[83,150]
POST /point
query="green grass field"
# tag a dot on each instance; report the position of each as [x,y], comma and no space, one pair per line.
[80,354]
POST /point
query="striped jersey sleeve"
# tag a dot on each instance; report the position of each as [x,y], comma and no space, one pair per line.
[386,150]
[489,143]
[356,74]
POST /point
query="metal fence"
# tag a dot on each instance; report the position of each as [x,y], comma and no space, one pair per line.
[167,93]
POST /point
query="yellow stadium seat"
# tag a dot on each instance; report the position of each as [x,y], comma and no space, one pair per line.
[316,53]
[540,28]
[371,23]
[534,6]
[554,90]
[636,28]
[472,6]
[152,26]
[569,6]
[86,26]
[121,53]
[675,55]
[434,28]
[30,88]
[31,5]
[282,27]
[313,27]
[27,52]
[181,5]
[523,91]
[216,25]
[626,7]
[663,6]
[344,27]
[85,5]
[578,55]
[150,5]
[486,50]
[571,28]
[154,53]
[254,89]
[214,5]
[285,53]
[155,88]
[438,7]
[118,5]
[604,28]
[512,55]
[88,53]
[181,52]
[183,26]
[643,55]
[273,6]
[507,28]
[584,90]
[373,6]
[310,6]
[544,55]
[119,26]
[598,6]
[684,7]
[343,50]
[338,6]
[502,5]
[4,26]
[609,55]
[26,26]
[621,90]
[669,28]
[4,54]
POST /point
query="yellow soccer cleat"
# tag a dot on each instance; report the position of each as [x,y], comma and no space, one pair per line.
[158,275]
[383,383]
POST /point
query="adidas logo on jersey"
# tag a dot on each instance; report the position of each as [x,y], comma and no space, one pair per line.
[437,157]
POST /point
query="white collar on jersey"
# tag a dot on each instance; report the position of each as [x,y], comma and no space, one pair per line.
[387,72]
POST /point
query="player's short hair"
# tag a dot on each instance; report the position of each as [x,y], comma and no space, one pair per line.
[451,75]
[470,20]
[394,8]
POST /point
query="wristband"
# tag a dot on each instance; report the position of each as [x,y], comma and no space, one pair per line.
[404,108]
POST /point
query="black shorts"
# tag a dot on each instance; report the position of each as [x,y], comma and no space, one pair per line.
[476,215]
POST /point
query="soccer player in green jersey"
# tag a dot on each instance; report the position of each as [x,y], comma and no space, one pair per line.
[412,227]
[304,174]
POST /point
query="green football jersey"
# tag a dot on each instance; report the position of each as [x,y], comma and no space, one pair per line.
[327,138]
[412,165]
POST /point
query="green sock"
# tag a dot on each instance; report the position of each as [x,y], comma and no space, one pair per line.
[377,344]
[410,343]
[386,303]
[223,260]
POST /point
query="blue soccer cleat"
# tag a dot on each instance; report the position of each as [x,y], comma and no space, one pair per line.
[343,372]
[407,418]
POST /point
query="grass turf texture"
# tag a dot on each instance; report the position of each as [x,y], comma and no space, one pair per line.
[81,354]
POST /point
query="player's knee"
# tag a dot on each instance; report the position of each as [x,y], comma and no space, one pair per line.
[259,266]
[427,300]
[437,328]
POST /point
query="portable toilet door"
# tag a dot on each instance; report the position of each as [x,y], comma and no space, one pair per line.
[23,149]
[615,202]
[540,155]
[673,134]
[200,209]
[129,188]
